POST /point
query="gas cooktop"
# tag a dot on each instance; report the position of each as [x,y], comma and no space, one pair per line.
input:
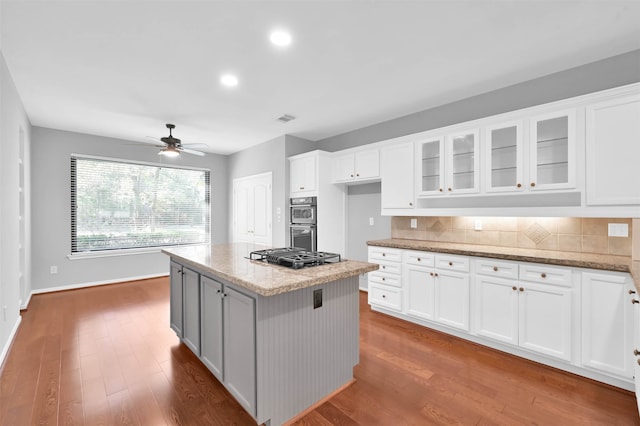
[294,257]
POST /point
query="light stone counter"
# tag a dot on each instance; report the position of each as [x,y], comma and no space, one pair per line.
[561,258]
[231,262]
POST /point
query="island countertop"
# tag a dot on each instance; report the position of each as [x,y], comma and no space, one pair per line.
[231,262]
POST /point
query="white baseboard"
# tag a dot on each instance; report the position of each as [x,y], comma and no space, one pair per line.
[91,284]
[12,335]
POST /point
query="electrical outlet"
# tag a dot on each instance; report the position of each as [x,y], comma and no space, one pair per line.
[478,225]
[618,230]
[414,223]
[317,298]
[370,221]
[53,270]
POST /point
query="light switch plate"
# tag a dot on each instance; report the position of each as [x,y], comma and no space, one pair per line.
[618,230]
[478,225]
[371,221]
[414,223]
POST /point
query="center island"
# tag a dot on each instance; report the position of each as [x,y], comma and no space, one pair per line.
[279,339]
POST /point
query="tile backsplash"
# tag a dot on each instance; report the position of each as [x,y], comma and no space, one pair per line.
[573,234]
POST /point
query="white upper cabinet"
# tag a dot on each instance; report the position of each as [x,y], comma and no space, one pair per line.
[304,175]
[504,168]
[449,164]
[613,152]
[357,166]
[462,162]
[552,151]
[396,164]
[430,153]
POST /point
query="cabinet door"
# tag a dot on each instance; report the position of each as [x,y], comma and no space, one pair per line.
[607,324]
[430,153]
[462,163]
[504,157]
[497,309]
[211,326]
[397,176]
[420,289]
[303,175]
[553,151]
[240,347]
[367,164]
[175,304]
[545,319]
[452,299]
[636,348]
[343,168]
[191,306]
[613,175]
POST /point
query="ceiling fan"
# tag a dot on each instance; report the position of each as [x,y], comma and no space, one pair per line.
[173,146]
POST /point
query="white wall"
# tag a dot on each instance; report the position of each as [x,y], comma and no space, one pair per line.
[51,232]
[12,119]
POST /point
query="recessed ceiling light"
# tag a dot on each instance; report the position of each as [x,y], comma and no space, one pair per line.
[280,38]
[229,80]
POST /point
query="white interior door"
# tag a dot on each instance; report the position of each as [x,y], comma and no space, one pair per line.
[252,203]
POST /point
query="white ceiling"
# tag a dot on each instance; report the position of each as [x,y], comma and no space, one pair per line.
[125,68]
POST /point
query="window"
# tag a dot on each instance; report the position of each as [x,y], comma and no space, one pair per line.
[124,205]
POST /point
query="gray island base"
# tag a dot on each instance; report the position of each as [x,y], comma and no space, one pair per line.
[280,340]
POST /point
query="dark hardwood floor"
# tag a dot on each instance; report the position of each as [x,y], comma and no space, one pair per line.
[106,355]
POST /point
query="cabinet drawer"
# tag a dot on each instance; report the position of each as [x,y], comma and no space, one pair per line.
[385,253]
[419,258]
[452,263]
[387,297]
[389,267]
[383,278]
[545,274]
[496,268]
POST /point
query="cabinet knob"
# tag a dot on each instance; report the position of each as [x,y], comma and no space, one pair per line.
[449,189]
[384,296]
[411,204]
[435,274]
[384,254]
[301,188]
[218,291]
[419,260]
[533,184]
[431,273]
[514,288]
[450,263]
[519,185]
[357,174]
[634,301]
[440,190]
[384,267]
[351,175]
[636,352]
[632,292]
[383,279]
[521,289]
[495,269]
[543,275]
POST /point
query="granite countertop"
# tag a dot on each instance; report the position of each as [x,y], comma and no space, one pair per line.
[230,262]
[562,258]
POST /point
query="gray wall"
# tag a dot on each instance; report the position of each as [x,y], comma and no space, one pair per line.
[15,284]
[51,229]
[270,156]
[605,74]
[363,202]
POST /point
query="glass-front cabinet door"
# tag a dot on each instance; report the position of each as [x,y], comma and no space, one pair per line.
[462,164]
[431,155]
[504,157]
[552,151]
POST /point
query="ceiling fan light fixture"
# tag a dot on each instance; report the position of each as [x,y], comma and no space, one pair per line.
[169,151]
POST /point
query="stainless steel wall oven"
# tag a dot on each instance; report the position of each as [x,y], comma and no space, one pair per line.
[302,228]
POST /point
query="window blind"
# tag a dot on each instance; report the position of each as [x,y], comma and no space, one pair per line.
[118,205]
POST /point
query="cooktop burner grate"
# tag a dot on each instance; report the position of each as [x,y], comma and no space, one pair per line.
[294,257]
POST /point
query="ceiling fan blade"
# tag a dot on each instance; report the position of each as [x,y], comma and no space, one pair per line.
[192,151]
[194,145]
[155,140]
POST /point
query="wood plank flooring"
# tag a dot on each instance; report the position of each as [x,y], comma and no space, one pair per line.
[105,355]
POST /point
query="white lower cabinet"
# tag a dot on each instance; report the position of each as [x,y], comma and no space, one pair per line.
[437,294]
[576,319]
[607,323]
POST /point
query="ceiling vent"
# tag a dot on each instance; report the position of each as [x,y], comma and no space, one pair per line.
[286,118]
